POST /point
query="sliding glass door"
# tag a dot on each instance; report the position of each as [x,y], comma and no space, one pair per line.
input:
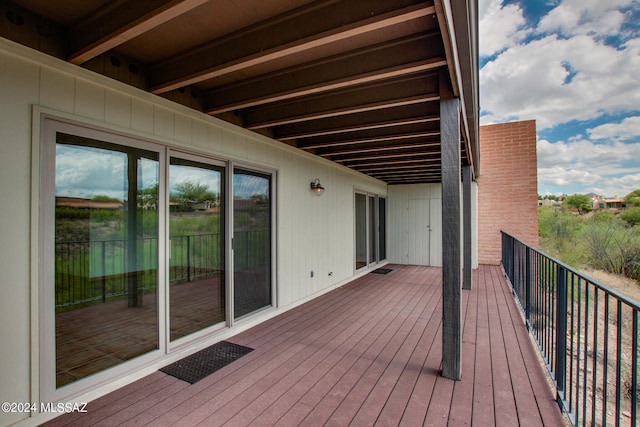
[382,228]
[105,261]
[196,250]
[252,257]
[136,248]
[370,229]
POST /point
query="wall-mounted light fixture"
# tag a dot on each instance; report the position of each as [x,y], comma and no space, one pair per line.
[316,187]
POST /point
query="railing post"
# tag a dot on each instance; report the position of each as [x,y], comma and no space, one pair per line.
[104,274]
[561,333]
[527,287]
[188,258]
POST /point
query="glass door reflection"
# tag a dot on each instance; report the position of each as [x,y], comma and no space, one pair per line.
[106,255]
[196,235]
[251,241]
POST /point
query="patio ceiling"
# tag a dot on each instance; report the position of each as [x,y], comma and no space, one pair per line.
[357,82]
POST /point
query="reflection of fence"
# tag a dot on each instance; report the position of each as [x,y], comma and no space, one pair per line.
[251,249]
[586,331]
[195,257]
[95,271]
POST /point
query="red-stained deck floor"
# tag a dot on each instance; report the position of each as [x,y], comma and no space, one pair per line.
[366,354]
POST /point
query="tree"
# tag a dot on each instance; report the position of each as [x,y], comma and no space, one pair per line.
[148,197]
[633,198]
[580,202]
[189,193]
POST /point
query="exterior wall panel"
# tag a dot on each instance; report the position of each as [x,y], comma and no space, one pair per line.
[19,88]
[313,233]
[399,223]
[401,241]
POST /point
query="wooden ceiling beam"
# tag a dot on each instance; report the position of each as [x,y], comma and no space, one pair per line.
[387,156]
[325,86]
[411,176]
[408,180]
[405,90]
[322,129]
[120,22]
[337,112]
[401,57]
[387,167]
[397,163]
[379,149]
[370,140]
[312,26]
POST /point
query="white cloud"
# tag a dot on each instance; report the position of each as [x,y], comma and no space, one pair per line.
[582,166]
[564,69]
[555,80]
[626,130]
[502,27]
[580,17]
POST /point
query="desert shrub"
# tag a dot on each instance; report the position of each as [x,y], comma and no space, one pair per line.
[602,216]
[631,215]
[559,232]
[613,247]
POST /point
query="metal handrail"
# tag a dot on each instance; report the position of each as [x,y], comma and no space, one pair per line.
[584,330]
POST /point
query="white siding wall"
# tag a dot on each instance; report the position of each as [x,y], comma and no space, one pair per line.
[314,233]
[409,203]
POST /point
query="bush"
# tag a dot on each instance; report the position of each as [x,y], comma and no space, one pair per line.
[559,233]
[631,215]
[604,241]
[613,247]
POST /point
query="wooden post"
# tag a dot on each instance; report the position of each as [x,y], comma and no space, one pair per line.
[451,269]
[466,206]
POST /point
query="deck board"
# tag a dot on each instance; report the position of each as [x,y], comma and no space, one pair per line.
[368,353]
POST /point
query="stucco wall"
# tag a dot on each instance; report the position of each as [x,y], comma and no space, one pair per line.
[507,187]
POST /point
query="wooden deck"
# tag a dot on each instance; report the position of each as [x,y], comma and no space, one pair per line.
[366,354]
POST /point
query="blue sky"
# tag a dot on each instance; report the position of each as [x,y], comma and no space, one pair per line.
[574,67]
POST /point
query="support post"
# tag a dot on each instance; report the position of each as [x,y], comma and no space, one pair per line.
[466,206]
[451,268]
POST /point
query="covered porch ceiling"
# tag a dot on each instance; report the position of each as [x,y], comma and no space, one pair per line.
[357,82]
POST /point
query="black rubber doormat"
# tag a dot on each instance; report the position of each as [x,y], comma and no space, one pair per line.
[382,270]
[205,362]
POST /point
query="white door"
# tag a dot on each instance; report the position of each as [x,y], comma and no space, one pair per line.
[419,232]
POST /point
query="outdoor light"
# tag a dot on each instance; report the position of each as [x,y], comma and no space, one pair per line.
[316,187]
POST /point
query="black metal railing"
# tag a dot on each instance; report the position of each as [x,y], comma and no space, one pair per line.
[587,333]
[96,271]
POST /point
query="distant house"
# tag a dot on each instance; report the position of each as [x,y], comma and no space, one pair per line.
[615,203]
